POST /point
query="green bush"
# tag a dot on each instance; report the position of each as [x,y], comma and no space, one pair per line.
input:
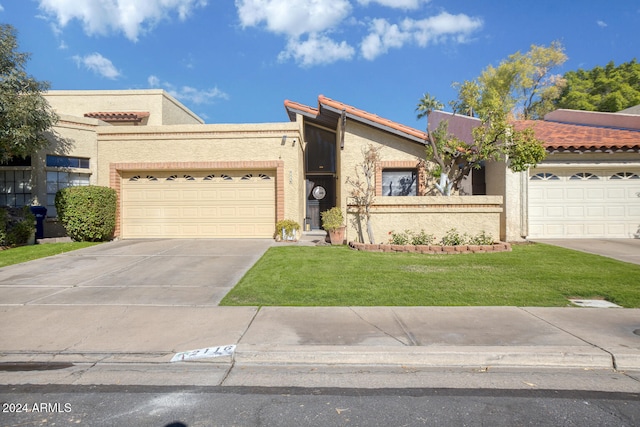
[17,226]
[454,238]
[87,213]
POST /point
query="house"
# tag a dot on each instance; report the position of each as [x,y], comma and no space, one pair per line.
[587,187]
[177,177]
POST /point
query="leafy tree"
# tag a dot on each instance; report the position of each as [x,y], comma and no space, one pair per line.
[24,113]
[522,84]
[608,88]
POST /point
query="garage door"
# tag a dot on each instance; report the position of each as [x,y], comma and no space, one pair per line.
[584,203]
[195,204]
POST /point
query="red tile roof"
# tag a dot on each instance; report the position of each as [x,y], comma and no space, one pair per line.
[119,116]
[356,114]
[554,135]
[569,136]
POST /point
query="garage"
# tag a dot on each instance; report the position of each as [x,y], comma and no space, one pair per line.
[198,204]
[584,202]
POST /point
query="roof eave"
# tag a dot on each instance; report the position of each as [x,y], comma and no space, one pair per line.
[374,124]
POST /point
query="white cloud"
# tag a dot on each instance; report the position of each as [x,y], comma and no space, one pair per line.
[188,93]
[601,24]
[99,65]
[316,50]
[131,17]
[396,4]
[442,27]
[382,37]
[293,17]
[309,27]
[436,29]
[1,8]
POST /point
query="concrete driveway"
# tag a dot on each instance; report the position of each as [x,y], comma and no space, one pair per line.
[164,272]
[627,250]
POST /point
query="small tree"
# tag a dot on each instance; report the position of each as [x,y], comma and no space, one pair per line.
[363,189]
[24,113]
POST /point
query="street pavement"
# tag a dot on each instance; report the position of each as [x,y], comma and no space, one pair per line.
[117,313]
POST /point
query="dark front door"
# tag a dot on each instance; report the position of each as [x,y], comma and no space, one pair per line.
[321,196]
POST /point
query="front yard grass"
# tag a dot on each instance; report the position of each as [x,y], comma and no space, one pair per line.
[531,275]
[31,252]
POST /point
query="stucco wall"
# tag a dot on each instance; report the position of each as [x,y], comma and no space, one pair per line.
[357,138]
[208,143]
[163,108]
[433,214]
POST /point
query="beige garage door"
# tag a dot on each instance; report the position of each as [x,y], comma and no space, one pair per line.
[197,204]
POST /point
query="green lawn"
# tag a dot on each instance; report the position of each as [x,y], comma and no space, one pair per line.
[31,252]
[530,275]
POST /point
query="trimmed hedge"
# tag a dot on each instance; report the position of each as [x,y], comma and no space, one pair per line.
[87,213]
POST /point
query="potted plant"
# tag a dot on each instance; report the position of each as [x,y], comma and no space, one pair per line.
[333,222]
[287,230]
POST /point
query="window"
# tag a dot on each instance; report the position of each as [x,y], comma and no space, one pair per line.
[625,175]
[67,162]
[583,176]
[15,188]
[544,176]
[320,154]
[59,177]
[399,182]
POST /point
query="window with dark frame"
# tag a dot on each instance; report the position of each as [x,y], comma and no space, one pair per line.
[400,182]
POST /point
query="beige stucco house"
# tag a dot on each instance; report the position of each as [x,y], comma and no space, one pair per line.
[587,187]
[178,177]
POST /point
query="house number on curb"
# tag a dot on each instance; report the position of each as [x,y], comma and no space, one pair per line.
[202,353]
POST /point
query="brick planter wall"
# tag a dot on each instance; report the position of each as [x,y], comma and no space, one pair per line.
[432,249]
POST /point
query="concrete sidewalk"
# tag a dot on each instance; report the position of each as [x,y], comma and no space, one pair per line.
[144,339]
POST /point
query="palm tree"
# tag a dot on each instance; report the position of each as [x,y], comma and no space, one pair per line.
[426,105]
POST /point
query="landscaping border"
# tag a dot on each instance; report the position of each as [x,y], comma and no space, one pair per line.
[432,249]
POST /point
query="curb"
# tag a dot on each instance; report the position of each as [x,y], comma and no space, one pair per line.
[437,356]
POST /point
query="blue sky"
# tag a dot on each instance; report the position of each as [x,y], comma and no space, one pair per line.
[236,62]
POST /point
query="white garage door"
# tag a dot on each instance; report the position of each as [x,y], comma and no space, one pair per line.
[196,204]
[584,203]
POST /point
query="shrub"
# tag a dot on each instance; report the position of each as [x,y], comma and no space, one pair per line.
[87,213]
[399,238]
[17,226]
[482,239]
[422,238]
[332,219]
[289,226]
[454,238]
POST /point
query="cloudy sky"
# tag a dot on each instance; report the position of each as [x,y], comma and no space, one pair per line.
[237,61]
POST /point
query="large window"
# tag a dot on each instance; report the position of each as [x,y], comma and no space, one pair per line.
[320,153]
[399,182]
[15,188]
[62,173]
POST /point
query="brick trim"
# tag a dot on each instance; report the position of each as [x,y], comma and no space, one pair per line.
[401,164]
[116,170]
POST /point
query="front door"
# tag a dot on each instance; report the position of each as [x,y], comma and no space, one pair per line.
[321,196]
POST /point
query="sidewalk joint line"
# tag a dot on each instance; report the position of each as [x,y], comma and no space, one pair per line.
[613,357]
[233,356]
[380,329]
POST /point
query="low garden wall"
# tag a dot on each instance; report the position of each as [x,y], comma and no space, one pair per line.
[434,214]
[432,249]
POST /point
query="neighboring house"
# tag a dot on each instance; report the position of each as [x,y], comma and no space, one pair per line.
[177,177]
[587,187]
